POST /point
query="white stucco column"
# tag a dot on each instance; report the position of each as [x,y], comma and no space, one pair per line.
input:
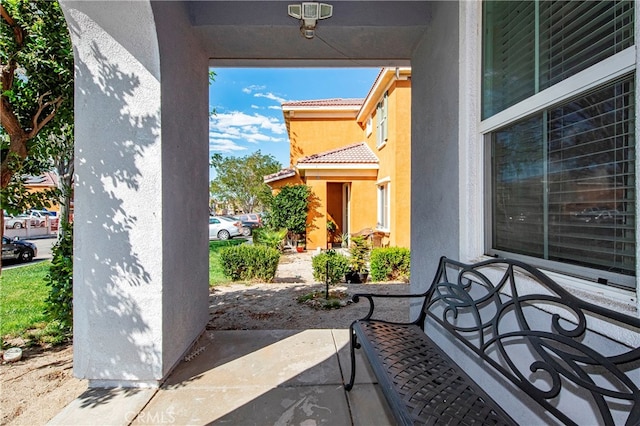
[140,240]
[435,156]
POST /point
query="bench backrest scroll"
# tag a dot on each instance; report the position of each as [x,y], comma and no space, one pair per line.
[553,346]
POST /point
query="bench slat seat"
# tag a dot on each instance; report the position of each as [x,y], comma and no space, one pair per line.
[422,384]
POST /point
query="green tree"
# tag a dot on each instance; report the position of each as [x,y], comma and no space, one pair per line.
[240,180]
[289,208]
[36,98]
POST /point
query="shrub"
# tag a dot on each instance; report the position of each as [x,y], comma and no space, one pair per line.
[59,303]
[270,238]
[338,266]
[249,262]
[360,254]
[390,264]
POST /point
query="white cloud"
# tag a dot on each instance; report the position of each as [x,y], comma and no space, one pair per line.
[252,88]
[255,107]
[271,96]
[224,146]
[239,122]
[228,131]
[278,107]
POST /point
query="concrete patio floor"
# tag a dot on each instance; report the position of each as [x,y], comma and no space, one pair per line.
[248,377]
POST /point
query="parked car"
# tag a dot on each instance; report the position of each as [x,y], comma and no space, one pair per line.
[247,226]
[223,228]
[250,217]
[35,218]
[14,222]
[17,249]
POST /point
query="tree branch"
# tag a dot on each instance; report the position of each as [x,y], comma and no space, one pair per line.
[18,31]
[37,125]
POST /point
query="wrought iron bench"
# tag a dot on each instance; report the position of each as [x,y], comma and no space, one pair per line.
[525,340]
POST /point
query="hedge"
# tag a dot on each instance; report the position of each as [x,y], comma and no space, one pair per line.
[249,262]
[390,264]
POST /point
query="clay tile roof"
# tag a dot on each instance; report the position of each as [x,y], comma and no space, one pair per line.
[356,153]
[45,179]
[282,174]
[336,102]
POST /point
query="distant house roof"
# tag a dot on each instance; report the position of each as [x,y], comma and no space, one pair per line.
[282,174]
[358,153]
[45,179]
[323,103]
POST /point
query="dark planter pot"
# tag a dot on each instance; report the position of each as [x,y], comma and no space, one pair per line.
[352,277]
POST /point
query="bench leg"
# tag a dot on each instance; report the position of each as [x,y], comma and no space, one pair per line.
[353,345]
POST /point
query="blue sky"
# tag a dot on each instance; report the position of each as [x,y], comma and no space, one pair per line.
[247,103]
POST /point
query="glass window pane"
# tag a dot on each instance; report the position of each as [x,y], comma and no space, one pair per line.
[575,35]
[563,182]
[508,54]
[591,180]
[529,46]
[518,172]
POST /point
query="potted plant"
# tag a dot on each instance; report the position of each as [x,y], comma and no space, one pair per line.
[331,229]
[344,239]
[358,261]
[300,245]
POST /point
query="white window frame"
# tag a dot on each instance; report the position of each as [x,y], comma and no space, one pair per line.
[597,75]
[382,123]
[383,187]
[471,138]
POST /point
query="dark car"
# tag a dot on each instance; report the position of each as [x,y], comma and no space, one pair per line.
[20,250]
[248,225]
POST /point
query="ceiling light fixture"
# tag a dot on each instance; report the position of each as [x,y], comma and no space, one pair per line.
[309,13]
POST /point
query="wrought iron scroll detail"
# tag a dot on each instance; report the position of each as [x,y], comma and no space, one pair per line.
[538,340]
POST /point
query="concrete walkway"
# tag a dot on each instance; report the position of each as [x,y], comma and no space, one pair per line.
[282,377]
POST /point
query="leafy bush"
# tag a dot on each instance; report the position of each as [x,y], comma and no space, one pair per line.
[390,264]
[59,303]
[289,208]
[338,266]
[269,237]
[249,262]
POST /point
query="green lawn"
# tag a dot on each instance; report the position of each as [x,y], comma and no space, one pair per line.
[22,295]
[23,292]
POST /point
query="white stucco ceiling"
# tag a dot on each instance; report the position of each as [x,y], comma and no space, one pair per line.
[360,33]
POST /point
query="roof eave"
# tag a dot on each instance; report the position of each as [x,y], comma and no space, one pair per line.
[337,166]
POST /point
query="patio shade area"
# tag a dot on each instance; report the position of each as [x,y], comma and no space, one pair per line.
[247,377]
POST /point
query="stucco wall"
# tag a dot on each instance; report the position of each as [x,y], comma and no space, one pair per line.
[434,147]
[139,293]
[304,135]
[185,181]
[395,163]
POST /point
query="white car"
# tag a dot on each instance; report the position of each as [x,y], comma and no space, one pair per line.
[223,228]
[15,222]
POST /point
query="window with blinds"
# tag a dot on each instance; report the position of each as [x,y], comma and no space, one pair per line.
[563,182]
[529,46]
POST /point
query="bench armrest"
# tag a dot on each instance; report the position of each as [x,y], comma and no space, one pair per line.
[371,297]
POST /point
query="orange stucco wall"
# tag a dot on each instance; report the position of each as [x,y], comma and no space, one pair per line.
[310,136]
[315,135]
[395,163]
